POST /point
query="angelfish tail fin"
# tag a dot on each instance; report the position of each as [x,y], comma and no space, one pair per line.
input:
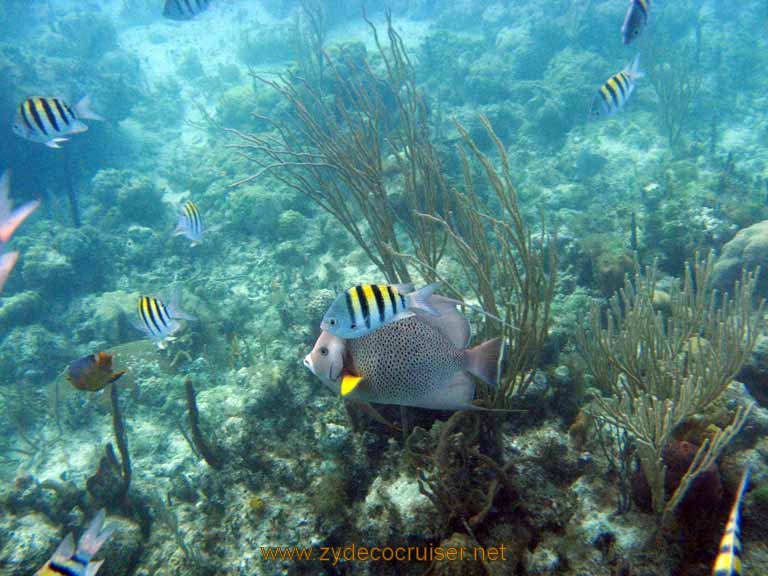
[483,359]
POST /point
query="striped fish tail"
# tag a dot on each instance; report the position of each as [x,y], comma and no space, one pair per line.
[94,537]
[83,109]
[633,69]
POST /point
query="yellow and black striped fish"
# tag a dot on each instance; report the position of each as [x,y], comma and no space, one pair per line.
[50,120]
[184,9]
[159,321]
[728,561]
[190,222]
[612,95]
[635,20]
[367,307]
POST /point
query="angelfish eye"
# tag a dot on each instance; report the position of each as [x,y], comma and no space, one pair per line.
[324,351]
[353,326]
[332,321]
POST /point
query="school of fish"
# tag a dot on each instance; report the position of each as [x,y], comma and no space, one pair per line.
[379,343]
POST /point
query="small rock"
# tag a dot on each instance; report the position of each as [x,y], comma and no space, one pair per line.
[543,561]
[27,543]
[746,251]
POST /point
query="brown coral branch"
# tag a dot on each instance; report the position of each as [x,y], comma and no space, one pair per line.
[208,452]
[122,440]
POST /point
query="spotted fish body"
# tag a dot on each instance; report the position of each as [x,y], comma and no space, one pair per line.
[728,561]
[68,561]
[184,9]
[405,363]
[615,92]
[635,20]
[367,307]
[50,120]
[190,222]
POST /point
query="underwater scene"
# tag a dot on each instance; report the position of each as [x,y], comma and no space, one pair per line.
[407,287]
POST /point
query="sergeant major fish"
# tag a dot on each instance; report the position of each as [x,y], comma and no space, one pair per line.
[67,560]
[635,20]
[190,223]
[728,561]
[421,361]
[612,95]
[10,220]
[159,321]
[184,9]
[49,120]
[366,307]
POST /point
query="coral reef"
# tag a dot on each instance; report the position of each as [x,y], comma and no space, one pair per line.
[419,141]
[746,251]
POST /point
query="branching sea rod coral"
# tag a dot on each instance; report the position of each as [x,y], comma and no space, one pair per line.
[510,275]
[454,474]
[334,150]
[677,78]
[661,368]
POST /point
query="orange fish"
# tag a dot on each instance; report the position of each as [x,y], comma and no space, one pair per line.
[93,372]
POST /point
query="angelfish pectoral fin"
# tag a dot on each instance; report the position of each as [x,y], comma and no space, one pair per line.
[349,383]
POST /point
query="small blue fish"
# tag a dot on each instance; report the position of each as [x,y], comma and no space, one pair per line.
[635,20]
[49,120]
[190,223]
[728,561]
[159,321]
[612,95]
[184,9]
[77,562]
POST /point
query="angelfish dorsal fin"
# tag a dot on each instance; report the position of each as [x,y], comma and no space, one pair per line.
[349,383]
[449,322]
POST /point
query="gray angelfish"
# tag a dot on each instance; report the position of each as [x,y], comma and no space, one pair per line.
[421,361]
